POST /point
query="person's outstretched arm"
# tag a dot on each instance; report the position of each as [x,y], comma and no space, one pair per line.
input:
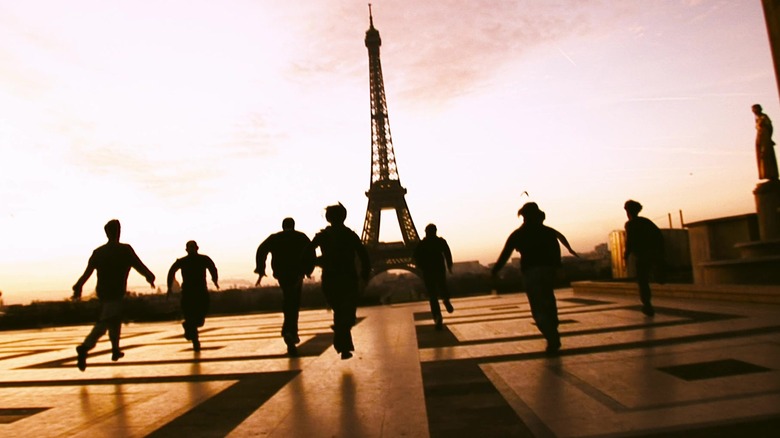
[629,242]
[213,271]
[365,260]
[308,255]
[260,257]
[172,275]
[565,243]
[504,256]
[142,269]
[83,279]
[447,255]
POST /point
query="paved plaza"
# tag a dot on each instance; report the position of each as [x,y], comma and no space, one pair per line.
[698,368]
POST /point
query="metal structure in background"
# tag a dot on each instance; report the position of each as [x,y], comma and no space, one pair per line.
[385,192]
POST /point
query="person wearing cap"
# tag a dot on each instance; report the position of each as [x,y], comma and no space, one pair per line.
[540,256]
[340,247]
[194,291]
[646,243]
[112,262]
[433,257]
[287,262]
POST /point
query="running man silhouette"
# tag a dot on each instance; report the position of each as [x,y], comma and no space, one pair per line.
[194,291]
[112,262]
[340,247]
[645,241]
[432,255]
[288,262]
[540,256]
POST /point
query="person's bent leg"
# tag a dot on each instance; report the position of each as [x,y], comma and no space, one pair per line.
[98,330]
[533,288]
[340,328]
[114,334]
[549,309]
[444,292]
[198,318]
[643,269]
[351,320]
[113,314]
[291,304]
[344,318]
[433,299]
[330,289]
[539,281]
[109,310]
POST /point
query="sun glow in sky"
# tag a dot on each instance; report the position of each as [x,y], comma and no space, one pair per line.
[215,120]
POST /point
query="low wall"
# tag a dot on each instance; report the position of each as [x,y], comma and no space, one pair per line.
[769,294]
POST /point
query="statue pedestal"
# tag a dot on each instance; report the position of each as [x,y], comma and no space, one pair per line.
[741,249]
[767,195]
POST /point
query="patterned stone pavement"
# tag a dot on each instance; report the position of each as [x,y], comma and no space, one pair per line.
[698,368]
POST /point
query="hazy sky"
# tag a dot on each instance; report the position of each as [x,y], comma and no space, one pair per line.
[215,120]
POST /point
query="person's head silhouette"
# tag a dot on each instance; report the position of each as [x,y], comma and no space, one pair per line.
[288,223]
[531,213]
[113,229]
[192,247]
[430,230]
[632,208]
[335,214]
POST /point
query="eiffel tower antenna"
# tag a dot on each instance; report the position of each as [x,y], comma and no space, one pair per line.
[385,191]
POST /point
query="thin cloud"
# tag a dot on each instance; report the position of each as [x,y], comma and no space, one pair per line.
[253,137]
[673,150]
[182,179]
[662,99]
[174,177]
[172,180]
[19,79]
[20,46]
[568,58]
[706,8]
[433,52]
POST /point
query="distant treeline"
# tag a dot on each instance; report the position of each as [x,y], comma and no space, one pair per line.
[160,307]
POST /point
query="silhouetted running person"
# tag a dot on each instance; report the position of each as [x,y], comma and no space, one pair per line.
[288,262]
[112,262]
[432,255]
[340,247]
[540,256]
[194,290]
[645,241]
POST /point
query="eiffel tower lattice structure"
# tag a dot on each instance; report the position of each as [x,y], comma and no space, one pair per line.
[385,192]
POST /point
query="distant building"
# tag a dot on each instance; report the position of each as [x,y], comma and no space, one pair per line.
[677,255]
[470,267]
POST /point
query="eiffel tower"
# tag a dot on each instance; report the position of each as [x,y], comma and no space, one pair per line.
[385,192]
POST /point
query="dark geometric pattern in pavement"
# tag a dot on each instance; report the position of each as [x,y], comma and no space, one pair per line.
[713,369]
[754,428]
[428,339]
[460,398]
[314,346]
[216,415]
[221,413]
[462,401]
[9,415]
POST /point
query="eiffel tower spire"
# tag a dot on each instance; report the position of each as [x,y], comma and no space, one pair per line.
[385,191]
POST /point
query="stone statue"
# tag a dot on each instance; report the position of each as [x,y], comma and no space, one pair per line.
[765,147]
